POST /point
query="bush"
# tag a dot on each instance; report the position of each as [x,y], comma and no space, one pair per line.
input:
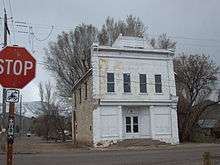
[200,135]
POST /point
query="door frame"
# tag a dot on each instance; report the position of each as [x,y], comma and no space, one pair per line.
[132,134]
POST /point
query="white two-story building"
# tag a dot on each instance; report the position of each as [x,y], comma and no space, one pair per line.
[129,93]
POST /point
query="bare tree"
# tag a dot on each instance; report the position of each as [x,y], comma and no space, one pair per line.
[163,42]
[51,119]
[193,76]
[132,26]
[69,57]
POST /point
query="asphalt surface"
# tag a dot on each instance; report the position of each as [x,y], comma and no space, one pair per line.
[166,156]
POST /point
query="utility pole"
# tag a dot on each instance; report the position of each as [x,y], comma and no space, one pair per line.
[11,117]
[4,90]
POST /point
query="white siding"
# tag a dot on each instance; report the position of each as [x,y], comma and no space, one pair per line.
[134,66]
[156,112]
[164,124]
[145,124]
[107,122]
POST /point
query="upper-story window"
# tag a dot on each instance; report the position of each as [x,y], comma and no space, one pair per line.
[110,82]
[80,95]
[86,90]
[127,82]
[74,99]
[158,84]
[143,83]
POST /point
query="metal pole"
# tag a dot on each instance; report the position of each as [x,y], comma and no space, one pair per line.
[11,120]
[20,121]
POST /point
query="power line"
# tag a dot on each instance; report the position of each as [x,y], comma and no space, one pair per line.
[30,31]
[164,83]
[44,26]
[25,25]
[196,39]
[12,19]
[198,45]
[30,39]
[4,4]
[43,39]
[189,38]
[55,26]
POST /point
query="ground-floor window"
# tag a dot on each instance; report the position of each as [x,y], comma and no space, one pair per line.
[131,124]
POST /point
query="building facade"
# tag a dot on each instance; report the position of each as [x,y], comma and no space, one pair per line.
[132,94]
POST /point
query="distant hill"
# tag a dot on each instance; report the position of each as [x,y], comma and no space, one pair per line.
[29,109]
[32,109]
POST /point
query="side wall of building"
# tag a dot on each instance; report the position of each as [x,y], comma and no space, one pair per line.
[83,107]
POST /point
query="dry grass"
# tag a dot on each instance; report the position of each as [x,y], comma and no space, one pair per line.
[35,144]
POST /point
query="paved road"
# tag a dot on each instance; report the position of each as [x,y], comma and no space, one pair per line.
[174,156]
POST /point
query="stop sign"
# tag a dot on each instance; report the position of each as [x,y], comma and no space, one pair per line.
[17,67]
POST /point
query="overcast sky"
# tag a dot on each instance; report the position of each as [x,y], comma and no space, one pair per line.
[194,24]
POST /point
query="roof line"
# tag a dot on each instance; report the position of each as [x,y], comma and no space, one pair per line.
[156,51]
[82,78]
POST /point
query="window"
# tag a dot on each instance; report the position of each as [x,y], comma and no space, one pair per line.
[131,124]
[110,82]
[143,83]
[158,84]
[135,124]
[74,99]
[127,82]
[86,90]
[128,124]
[80,95]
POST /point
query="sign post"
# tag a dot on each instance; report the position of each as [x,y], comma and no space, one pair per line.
[10,133]
[17,69]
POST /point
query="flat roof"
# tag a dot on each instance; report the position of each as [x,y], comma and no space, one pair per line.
[132,50]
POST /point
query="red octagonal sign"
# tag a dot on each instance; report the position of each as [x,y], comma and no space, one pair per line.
[17,67]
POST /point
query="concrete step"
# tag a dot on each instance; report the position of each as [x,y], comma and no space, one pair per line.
[139,142]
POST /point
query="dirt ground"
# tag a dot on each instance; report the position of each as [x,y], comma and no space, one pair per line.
[60,154]
[33,150]
[35,144]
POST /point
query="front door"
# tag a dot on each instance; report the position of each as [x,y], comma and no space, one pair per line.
[131,126]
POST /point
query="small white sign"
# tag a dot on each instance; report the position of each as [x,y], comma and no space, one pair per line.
[12,95]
